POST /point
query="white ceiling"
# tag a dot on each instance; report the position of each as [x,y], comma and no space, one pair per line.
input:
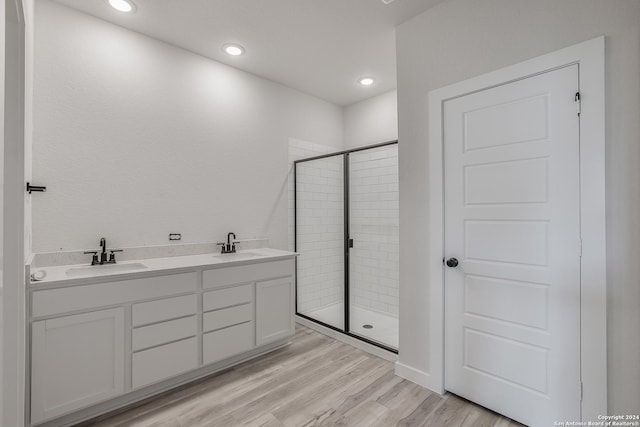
[320,47]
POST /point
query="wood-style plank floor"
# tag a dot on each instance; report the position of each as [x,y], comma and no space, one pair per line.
[315,381]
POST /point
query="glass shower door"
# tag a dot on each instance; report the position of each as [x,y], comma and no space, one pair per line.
[373,258]
[319,199]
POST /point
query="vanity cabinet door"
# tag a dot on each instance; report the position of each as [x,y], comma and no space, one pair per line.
[274,310]
[78,360]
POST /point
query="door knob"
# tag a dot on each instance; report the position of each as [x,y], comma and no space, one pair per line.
[452,262]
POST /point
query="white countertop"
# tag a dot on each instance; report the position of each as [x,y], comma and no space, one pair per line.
[85,273]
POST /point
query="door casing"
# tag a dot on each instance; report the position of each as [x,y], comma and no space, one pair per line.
[589,56]
[16,16]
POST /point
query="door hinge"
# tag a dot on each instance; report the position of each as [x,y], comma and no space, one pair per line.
[578,103]
[580,247]
[580,391]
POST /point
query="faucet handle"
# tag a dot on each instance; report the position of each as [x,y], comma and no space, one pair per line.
[94,258]
[225,247]
[112,255]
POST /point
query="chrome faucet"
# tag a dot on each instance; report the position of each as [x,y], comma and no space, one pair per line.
[229,247]
[111,259]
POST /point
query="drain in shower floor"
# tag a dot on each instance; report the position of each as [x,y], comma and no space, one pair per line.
[367,326]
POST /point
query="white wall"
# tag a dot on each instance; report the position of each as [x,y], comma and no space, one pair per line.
[371,121]
[135,138]
[459,39]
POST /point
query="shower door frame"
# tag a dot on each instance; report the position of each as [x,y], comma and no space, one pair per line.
[346,239]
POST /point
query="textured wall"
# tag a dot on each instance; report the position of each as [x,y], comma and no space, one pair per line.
[135,138]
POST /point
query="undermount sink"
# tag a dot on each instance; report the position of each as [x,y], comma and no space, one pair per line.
[98,270]
[238,256]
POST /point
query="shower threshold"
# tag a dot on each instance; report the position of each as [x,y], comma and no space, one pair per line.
[384,327]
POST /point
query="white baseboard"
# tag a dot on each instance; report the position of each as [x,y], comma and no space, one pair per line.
[414,375]
[361,345]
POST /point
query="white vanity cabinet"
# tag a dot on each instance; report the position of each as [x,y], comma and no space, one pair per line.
[99,346]
[81,359]
[274,303]
[239,292]
[77,360]
[163,339]
[227,322]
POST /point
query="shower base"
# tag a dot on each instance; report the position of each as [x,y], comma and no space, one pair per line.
[384,327]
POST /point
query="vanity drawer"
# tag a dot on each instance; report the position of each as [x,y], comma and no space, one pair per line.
[158,363]
[246,273]
[62,300]
[164,309]
[227,342]
[160,333]
[227,297]
[227,317]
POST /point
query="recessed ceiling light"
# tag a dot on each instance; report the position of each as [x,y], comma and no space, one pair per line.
[366,81]
[122,5]
[233,49]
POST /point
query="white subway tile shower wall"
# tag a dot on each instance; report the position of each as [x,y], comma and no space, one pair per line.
[299,149]
[374,226]
[320,227]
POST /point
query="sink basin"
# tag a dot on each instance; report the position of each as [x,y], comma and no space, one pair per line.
[99,270]
[238,256]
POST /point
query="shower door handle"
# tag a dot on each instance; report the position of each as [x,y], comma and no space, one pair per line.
[350,243]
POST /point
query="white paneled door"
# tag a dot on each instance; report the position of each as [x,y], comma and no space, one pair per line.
[512,225]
